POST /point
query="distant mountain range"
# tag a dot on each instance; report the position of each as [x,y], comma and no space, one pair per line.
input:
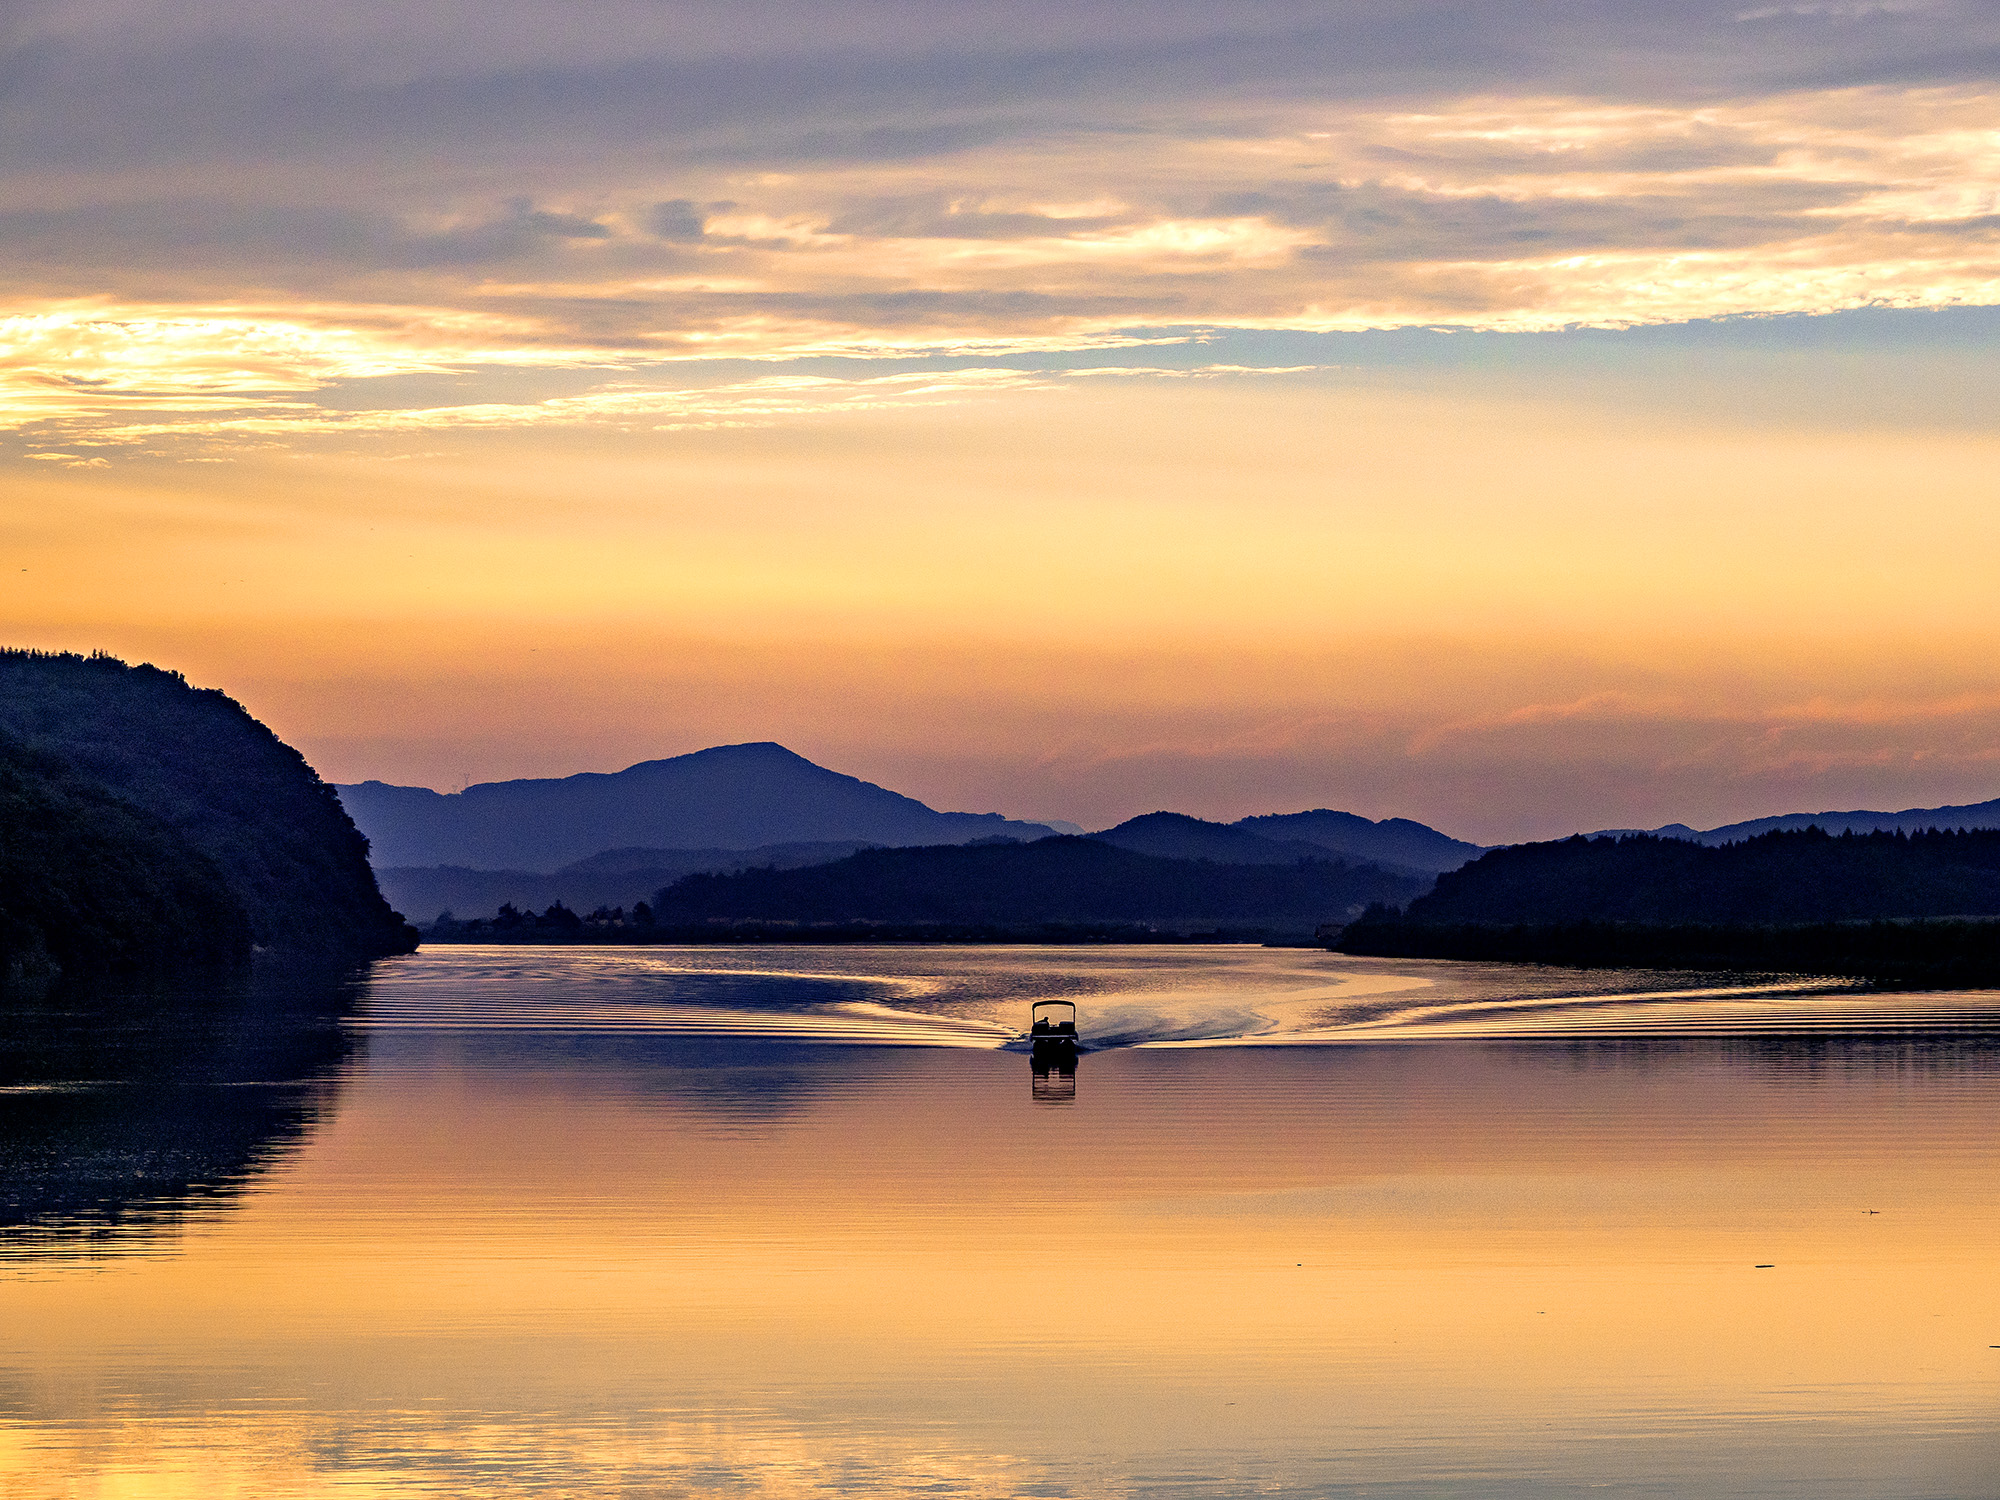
[613,839]
[730,797]
[1911,820]
[616,839]
[624,877]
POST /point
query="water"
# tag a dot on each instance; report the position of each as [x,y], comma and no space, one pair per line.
[651,1222]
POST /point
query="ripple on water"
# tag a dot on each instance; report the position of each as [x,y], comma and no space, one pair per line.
[1181,996]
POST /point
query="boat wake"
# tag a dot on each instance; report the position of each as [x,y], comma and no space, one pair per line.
[1164,997]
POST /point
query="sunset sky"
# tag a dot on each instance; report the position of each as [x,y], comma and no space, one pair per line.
[1518,416]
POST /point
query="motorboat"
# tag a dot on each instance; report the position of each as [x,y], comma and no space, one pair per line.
[1052,1051]
[1052,1025]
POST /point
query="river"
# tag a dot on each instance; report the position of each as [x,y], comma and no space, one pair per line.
[521,1221]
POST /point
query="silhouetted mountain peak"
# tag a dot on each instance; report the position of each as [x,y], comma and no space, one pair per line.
[725,797]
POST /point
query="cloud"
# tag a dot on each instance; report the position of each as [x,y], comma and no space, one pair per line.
[678,219]
[752,403]
[1836,10]
[285,201]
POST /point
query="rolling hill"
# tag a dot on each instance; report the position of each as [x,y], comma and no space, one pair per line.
[1397,842]
[1173,835]
[1058,880]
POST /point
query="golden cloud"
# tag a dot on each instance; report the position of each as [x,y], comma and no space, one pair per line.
[1499,214]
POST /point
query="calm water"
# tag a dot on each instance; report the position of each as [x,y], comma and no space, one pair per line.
[655,1222]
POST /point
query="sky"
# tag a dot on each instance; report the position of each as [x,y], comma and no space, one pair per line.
[1522,417]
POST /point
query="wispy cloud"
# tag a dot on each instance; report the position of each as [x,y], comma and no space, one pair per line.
[758,402]
[619,206]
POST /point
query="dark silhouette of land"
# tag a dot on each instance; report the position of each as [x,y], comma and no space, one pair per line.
[717,804]
[1055,888]
[1901,908]
[1904,955]
[1910,820]
[623,877]
[1174,835]
[1809,876]
[1053,880]
[88,881]
[145,822]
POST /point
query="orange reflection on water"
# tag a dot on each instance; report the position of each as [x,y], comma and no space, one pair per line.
[523,1267]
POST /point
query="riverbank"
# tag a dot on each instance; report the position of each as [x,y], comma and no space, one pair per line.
[1931,954]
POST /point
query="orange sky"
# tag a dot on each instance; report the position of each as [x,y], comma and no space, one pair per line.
[1501,614]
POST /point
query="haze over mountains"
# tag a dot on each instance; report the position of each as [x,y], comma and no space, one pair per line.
[612,839]
[616,877]
[615,839]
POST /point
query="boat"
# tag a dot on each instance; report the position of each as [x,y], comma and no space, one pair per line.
[1052,1052]
[1052,1025]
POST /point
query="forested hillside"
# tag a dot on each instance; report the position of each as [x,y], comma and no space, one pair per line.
[1876,905]
[87,881]
[1052,880]
[146,819]
[1807,876]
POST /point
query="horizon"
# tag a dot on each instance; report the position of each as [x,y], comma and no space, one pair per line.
[1089,828]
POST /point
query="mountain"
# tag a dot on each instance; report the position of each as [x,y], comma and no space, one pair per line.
[730,797]
[187,813]
[616,877]
[1393,841]
[1911,820]
[1172,835]
[1059,880]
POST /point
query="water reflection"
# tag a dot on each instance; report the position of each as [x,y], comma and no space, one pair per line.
[126,1108]
[1052,1073]
[558,1240]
